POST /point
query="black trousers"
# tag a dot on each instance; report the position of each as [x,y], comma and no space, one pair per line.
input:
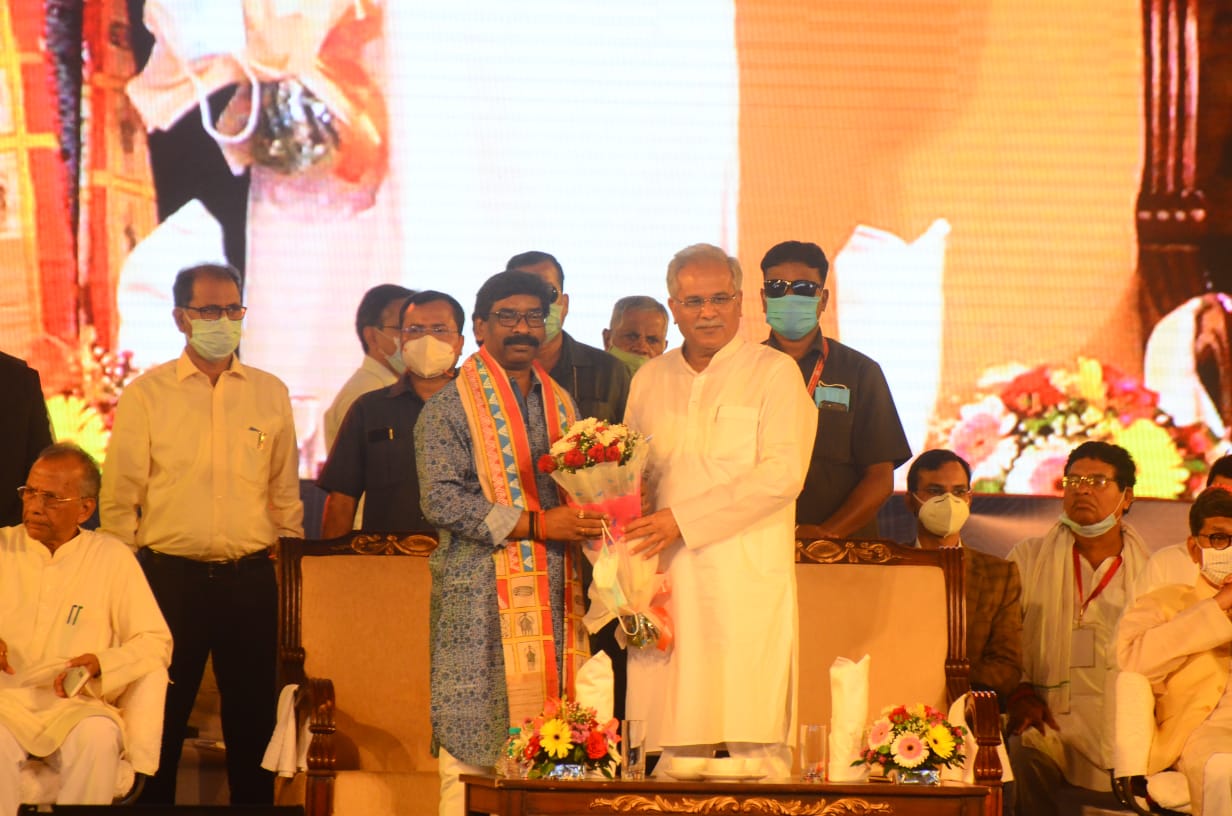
[231,611]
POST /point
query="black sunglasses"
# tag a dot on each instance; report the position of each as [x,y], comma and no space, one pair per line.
[777,288]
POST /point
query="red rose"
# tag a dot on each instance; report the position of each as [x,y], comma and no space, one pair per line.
[595,454]
[613,452]
[596,745]
[1031,393]
[547,463]
[575,459]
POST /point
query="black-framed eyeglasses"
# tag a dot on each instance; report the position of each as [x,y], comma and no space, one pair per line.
[777,288]
[233,312]
[719,301]
[415,332]
[1095,481]
[509,318]
[933,491]
[29,494]
[1219,541]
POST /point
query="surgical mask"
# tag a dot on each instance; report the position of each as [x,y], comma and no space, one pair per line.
[944,515]
[632,361]
[215,339]
[1098,528]
[428,356]
[552,324]
[792,316]
[1216,565]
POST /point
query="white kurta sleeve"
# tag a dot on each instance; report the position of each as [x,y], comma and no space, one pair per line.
[783,444]
[142,641]
[1151,644]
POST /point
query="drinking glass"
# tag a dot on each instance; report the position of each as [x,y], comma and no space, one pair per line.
[633,749]
[813,753]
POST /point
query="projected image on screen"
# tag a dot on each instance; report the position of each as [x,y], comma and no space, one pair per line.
[970,169]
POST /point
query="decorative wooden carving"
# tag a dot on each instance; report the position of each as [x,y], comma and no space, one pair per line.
[636,803]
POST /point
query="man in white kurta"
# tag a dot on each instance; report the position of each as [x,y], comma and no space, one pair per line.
[731,432]
[70,597]
[1076,580]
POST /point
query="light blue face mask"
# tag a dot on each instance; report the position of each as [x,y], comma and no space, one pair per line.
[792,316]
[1096,529]
[215,339]
[553,322]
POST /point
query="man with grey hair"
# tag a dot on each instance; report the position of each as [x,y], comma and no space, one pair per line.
[73,604]
[733,430]
[638,331]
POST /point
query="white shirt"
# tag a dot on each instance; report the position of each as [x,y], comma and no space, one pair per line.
[90,597]
[1167,565]
[729,450]
[212,469]
[370,376]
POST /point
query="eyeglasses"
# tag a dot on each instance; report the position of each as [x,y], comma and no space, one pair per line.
[233,312]
[777,288]
[719,301]
[509,318]
[1219,541]
[1095,482]
[933,491]
[29,494]
[415,332]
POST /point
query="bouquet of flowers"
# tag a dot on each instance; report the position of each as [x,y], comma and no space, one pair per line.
[912,739]
[565,740]
[1019,431]
[600,465]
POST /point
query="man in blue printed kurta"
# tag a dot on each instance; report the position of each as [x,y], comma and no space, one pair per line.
[506,595]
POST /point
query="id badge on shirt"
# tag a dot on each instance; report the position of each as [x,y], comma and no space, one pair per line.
[1082,647]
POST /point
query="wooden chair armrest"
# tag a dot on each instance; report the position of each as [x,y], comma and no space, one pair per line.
[315,704]
[1123,789]
[984,715]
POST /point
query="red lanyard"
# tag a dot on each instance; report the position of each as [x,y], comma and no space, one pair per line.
[1107,579]
[815,380]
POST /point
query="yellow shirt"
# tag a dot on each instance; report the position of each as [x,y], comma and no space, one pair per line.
[212,469]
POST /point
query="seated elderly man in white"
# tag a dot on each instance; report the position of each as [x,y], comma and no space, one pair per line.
[1180,637]
[69,598]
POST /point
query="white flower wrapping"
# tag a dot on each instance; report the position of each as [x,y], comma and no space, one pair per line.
[624,585]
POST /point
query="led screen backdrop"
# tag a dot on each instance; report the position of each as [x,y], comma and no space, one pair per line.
[970,167]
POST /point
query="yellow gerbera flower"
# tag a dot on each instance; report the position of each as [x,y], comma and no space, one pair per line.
[75,420]
[941,740]
[1161,471]
[554,738]
[1090,384]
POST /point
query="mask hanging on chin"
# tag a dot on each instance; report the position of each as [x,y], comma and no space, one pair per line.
[553,323]
[1216,565]
[632,361]
[428,357]
[215,339]
[1096,529]
[944,515]
[792,316]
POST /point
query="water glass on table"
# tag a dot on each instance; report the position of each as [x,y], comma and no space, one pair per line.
[633,749]
[813,753]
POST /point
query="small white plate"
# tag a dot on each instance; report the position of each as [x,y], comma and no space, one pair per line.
[684,776]
[723,776]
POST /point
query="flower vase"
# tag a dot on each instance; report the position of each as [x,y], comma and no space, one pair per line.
[566,772]
[918,776]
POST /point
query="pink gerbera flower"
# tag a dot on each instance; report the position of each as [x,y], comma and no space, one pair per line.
[878,733]
[909,750]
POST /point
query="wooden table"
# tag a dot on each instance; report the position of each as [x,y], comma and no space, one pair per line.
[488,795]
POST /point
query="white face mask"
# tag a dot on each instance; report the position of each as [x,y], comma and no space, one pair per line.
[428,357]
[1216,565]
[944,515]
[1098,528]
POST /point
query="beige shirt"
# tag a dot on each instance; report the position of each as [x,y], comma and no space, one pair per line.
[90,597]
[368,377]
[212,469]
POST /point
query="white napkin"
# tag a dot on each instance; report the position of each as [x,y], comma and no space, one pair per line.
[282,753]
[594,686]
[848,716]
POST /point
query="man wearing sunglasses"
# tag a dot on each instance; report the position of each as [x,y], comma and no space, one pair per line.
[860,440]
[1076,580]
[202,479]
[596,380]
[1179,636]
